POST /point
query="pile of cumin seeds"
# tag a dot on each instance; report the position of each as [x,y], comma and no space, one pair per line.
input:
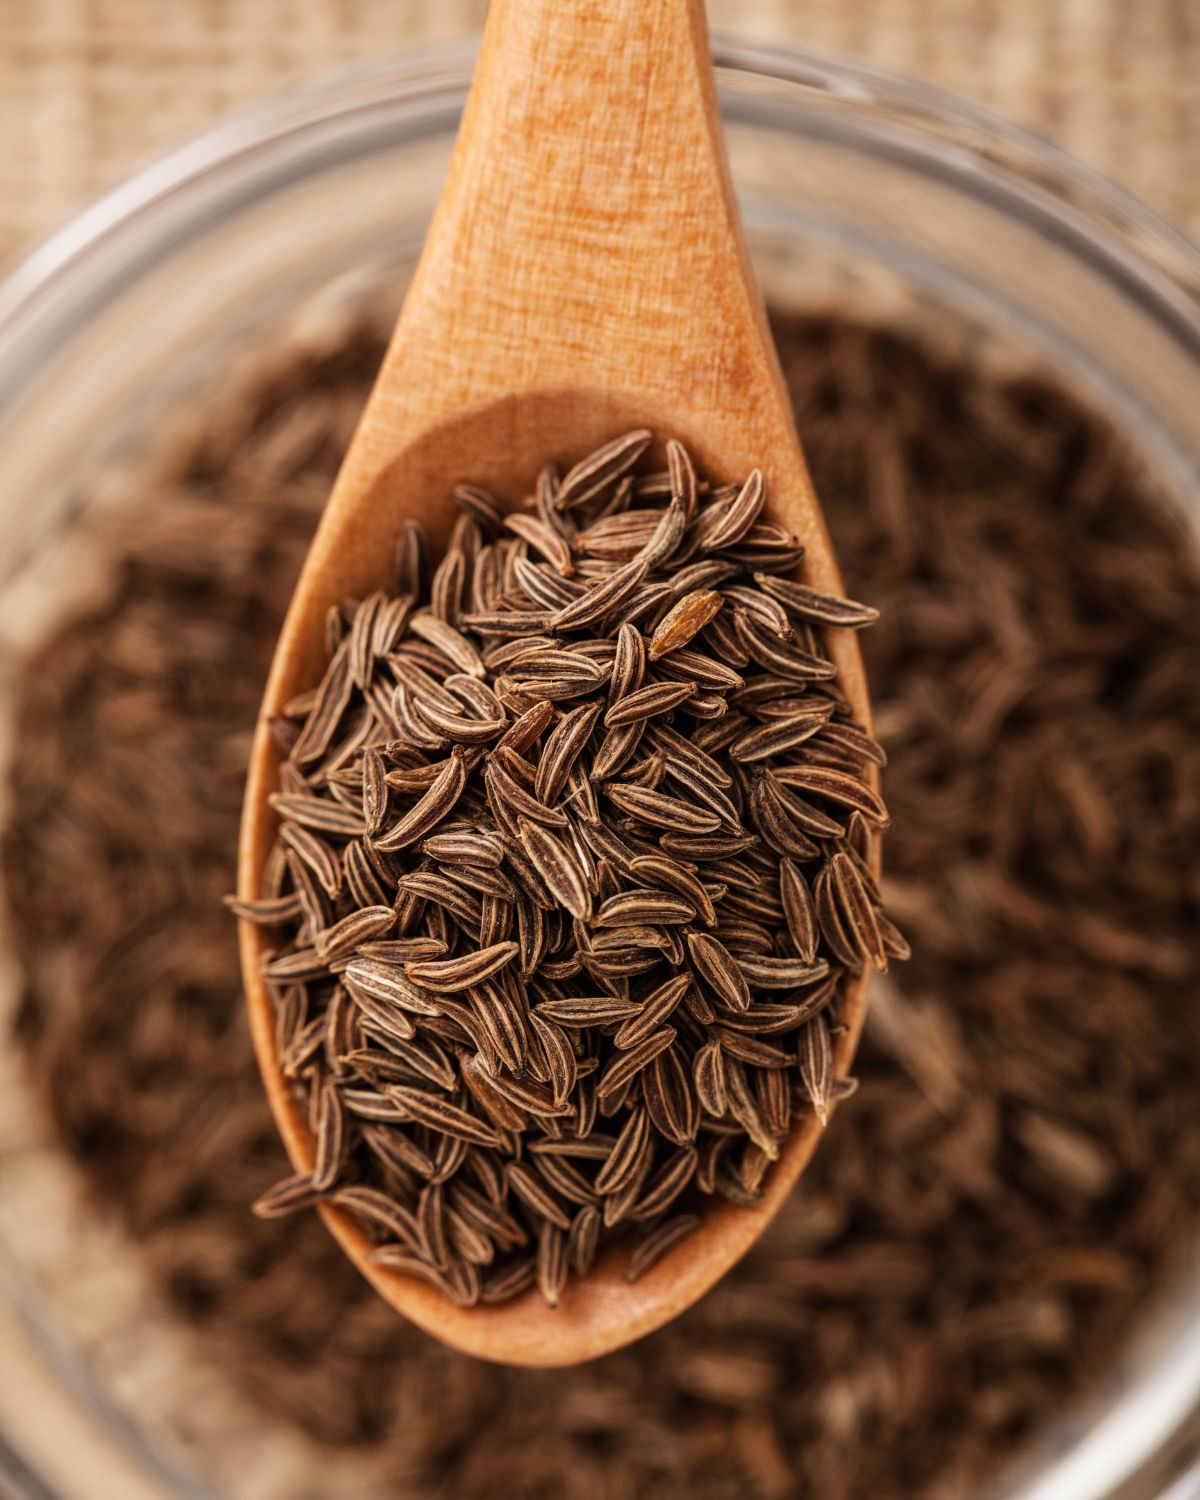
[986,1223]
[573,864]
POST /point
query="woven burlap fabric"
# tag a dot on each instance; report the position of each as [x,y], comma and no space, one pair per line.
[89,88]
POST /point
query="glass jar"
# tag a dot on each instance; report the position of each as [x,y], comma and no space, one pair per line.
[858,189]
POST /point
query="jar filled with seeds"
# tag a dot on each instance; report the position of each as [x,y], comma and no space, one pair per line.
[987,1282]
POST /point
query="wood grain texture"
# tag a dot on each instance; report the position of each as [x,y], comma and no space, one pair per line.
[585,272]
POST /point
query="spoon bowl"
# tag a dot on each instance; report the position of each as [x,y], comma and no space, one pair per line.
[585,273]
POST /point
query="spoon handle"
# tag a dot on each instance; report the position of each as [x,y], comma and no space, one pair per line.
[588,234]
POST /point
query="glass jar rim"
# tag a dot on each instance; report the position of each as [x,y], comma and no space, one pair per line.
[1153,261]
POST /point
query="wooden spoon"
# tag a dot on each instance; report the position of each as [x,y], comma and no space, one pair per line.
[586,273]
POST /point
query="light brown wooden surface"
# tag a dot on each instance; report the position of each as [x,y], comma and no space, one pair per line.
[585,273]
